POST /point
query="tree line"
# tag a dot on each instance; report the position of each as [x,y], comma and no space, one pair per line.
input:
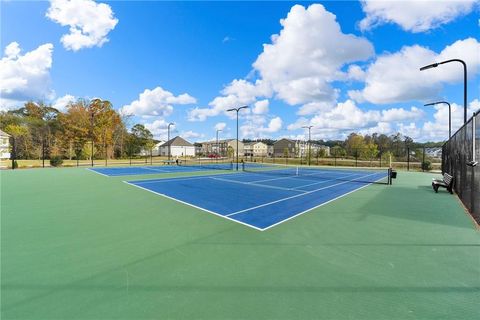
[86,129]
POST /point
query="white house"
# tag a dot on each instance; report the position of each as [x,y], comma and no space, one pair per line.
[4,145]
[178,147]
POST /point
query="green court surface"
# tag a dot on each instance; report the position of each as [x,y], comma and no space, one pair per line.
[78,245]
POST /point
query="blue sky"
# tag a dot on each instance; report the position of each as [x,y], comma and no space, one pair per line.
[341,66]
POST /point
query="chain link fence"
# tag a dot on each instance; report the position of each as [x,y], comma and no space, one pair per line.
[458,155]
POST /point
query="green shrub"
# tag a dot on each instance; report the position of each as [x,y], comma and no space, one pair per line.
[426,165]
[56,161]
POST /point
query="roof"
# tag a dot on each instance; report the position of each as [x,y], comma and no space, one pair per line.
[178,142]
[220,141]
[253,143]
[284,139]
[4,134]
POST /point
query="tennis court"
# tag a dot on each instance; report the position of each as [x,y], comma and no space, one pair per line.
[264,196]
[185,166]
[86,246]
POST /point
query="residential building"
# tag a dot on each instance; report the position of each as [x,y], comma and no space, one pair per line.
[178,147]
[302,148]
[211,147]
[270,150]
[283,146]
[4,145]
[433,152]
[255,149]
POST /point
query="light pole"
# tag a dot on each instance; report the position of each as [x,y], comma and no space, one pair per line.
[449,115]
[217,141]
[91,123]
[237,109]
[168,138]
[309,130]
[434,65]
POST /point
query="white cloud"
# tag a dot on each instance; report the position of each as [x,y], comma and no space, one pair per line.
[395,77]
[307,55]
[413,15]
[355,73]
[191,135]
[159,129]
[220,126]
[89,22]
[261,107]
[61,103]
[347,117]
[156,102]
[314,108]
[298,65]
[437,129]
[236,94]
[256,126]
[25,77]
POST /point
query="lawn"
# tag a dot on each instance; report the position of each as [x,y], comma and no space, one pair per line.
[78,245]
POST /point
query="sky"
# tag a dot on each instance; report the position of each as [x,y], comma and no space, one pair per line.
[338,66]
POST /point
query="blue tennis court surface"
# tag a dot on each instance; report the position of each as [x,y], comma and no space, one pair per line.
[261,200]
[141,170]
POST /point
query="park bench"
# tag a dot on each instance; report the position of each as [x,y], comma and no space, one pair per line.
[445,182]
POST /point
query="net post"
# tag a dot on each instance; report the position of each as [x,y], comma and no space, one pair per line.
[389,180]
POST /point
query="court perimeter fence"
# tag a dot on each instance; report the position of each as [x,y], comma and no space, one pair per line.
[457,156]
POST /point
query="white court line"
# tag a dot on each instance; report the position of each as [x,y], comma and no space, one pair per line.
[295,196]
[255,185]
[105,175]
[157,170]
[194,206]
[321,204]
[173,179]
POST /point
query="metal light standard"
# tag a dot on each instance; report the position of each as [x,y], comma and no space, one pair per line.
[449,115]
[237,109]
[434,65]
[217,142]
[91,124]
[168,138]
[309,130]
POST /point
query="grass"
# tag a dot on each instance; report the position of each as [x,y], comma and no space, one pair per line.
[77,245]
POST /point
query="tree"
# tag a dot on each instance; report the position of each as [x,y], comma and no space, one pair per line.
[230,151]
[354,144]
[370,151]
[338,151]
[141,136]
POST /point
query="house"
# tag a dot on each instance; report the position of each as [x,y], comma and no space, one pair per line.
[177,147]
[155,149]
[211,147]
[255,149]
[284,147]
[433,152]
[4,145]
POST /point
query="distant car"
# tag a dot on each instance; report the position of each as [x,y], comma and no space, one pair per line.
[213,155]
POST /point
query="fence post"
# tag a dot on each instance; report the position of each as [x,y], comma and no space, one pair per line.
[408,158]
[13,155]
[43,152]
[356,158]
[423,160]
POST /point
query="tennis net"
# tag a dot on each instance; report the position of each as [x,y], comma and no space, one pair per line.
[364,175]
[210,164]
